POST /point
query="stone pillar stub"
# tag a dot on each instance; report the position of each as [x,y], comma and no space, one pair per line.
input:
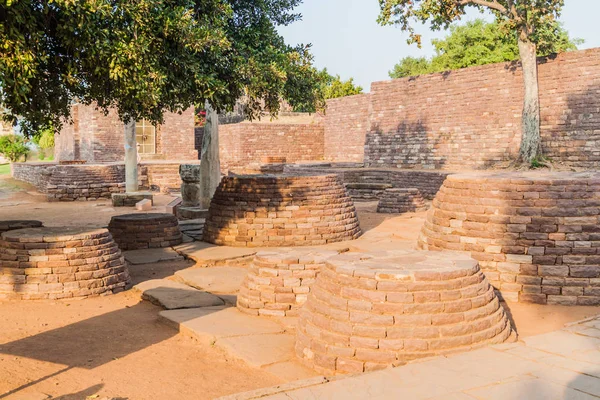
[210,165]
[190,187]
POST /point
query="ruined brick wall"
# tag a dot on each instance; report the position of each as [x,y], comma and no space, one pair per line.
[346,123]
[470,118]
[99,138]
[247,143]
[94,181]
[178,137]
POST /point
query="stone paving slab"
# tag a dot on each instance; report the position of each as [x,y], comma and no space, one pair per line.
[559,365]
[226,280]
[260,350]
[205,254]
[211,324]
[151,256]
[174,295]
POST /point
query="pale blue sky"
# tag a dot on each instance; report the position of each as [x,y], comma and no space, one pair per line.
[348,41]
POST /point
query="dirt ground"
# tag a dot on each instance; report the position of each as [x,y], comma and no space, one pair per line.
[114,347]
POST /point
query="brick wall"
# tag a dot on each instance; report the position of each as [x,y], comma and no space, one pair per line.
[470,118]
[94,181]
[346,123]
[247,143]
[99,138]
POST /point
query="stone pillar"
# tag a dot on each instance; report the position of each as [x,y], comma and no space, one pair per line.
[131,167]
[190,186]
[210,165]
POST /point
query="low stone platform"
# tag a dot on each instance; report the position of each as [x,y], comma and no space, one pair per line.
[130,199]
[536,235]
[369,311]
[145,231]
[278,282]
[11,225]
[280,211]
[398,201]
[56,263]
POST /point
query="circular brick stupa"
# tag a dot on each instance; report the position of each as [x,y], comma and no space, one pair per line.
[145,231]
[11,225]
[369,311]
[536,235]
[280,210]
[56,263]
[278,282]
[398,201]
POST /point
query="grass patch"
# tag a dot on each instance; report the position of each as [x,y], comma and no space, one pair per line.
[4,169]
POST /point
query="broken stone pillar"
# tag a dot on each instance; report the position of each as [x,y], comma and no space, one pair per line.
[131,167]
[190,186]
[210,165]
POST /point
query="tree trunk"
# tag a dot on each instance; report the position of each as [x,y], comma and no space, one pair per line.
[131,168]
[531,142]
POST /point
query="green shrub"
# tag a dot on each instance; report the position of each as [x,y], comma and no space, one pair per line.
[13,147]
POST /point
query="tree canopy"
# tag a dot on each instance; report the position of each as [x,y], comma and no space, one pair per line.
[336,87]
[145,57]
[478,43]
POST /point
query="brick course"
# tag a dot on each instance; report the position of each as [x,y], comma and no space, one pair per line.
[536,235]
[279,211]
[370,311]
[278,282]
[94,181]
[57,263]
[397,201]
[346,123]
[145,231]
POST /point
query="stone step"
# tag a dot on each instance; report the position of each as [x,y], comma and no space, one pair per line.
[368,186]
[175,295]
[221,280]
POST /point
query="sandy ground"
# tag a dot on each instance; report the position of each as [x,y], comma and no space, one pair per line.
[113,346]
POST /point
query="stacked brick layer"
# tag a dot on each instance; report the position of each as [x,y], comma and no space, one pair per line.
[535,235]
[56,263]
[370,311]
[396,201]
[145,231]
[278,282]
[370,183]
[11,225]
[278,211]
[89,182]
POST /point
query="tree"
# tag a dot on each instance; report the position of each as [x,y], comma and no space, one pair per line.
[532,22]
[146,57]
[477,43]
[44,140]
[338,88]
[13,147]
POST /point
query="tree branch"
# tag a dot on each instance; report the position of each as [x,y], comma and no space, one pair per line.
[490,4]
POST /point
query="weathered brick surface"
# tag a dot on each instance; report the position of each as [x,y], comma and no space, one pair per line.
[279,211]
[346,123]
[471,118]
[397,201]
[536,235]
[145,231]
[370,183]
[11,225]
[247,143]
[94,181]
[56,263]
[369,311]
[278,282]
[99,138]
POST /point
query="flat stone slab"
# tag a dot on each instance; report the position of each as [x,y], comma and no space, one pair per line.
[260,350]
[151,256]
[174,295]
[210,325]
[214,279]
[209,254]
